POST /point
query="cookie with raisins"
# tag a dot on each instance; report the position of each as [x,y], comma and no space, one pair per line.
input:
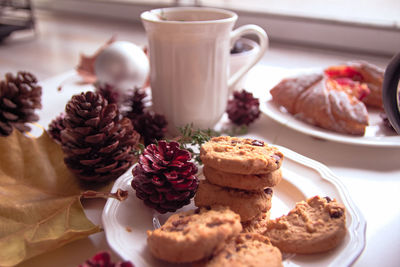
[313,226]
[248,204]
[250,182]
[193,235]
[258,224]
[240,155]
[248,250]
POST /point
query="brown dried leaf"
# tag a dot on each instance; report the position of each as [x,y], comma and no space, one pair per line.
[120,194]
[40,206]
[85,67]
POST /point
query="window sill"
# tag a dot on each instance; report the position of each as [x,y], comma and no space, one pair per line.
[322,33]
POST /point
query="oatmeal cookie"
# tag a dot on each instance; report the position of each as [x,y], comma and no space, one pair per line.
[258,224]
[193,235]
[240,155]
[315,225]
[242,181]
[248,204]
[248,250]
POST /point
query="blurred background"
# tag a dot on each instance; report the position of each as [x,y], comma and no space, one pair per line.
[49,35]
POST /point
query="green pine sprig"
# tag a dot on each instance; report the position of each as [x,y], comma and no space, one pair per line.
[192,139]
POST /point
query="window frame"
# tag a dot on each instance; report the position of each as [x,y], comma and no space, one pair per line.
[322,33]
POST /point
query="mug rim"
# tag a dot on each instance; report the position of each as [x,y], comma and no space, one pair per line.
[148,15]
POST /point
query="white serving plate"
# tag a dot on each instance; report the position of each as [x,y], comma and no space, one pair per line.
[262,79]
[376,133]
[125,223]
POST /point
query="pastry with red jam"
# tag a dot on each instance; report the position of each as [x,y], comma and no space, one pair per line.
[336,99]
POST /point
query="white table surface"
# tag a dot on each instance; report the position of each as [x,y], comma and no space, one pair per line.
[371,175]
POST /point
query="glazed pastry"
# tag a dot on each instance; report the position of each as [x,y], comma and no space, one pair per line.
[364,73]
[335,99]
[322,102]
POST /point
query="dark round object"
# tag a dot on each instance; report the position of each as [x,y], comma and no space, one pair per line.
[390,92]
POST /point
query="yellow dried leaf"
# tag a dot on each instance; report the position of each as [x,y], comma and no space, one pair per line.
[40,207]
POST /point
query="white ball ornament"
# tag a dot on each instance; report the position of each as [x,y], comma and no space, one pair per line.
[122,65]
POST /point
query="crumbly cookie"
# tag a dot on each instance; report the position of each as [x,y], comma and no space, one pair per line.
[193,235]
[242,181]
[240,155]
[248,250]
[315,225]
[258,224]
[248,204]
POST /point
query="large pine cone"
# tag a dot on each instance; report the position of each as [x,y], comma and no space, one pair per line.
[97,144]
[164,178]
[20,95]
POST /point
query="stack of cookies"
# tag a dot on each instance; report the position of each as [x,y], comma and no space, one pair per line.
[231,225]
[240,173]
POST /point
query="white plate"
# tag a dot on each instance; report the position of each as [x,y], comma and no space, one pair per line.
[376,134]
[125,223]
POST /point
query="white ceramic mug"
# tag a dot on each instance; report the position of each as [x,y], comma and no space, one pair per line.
[189,49]
[238,60]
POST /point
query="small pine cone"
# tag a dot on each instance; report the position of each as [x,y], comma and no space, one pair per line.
[136,103]
[151,126]
[97,144]
[56,126]
[108,92]
[103,259]
[243,109]
[165,178]
[20,95]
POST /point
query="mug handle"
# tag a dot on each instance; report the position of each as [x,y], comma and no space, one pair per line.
[390,92]
[263,42]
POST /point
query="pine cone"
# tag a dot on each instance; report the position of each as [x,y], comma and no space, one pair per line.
[19,97]
[136,103]
[243,108]
[103,259]
[108,92]
[151,126]
[165,178]
[56,126]
[97,144]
